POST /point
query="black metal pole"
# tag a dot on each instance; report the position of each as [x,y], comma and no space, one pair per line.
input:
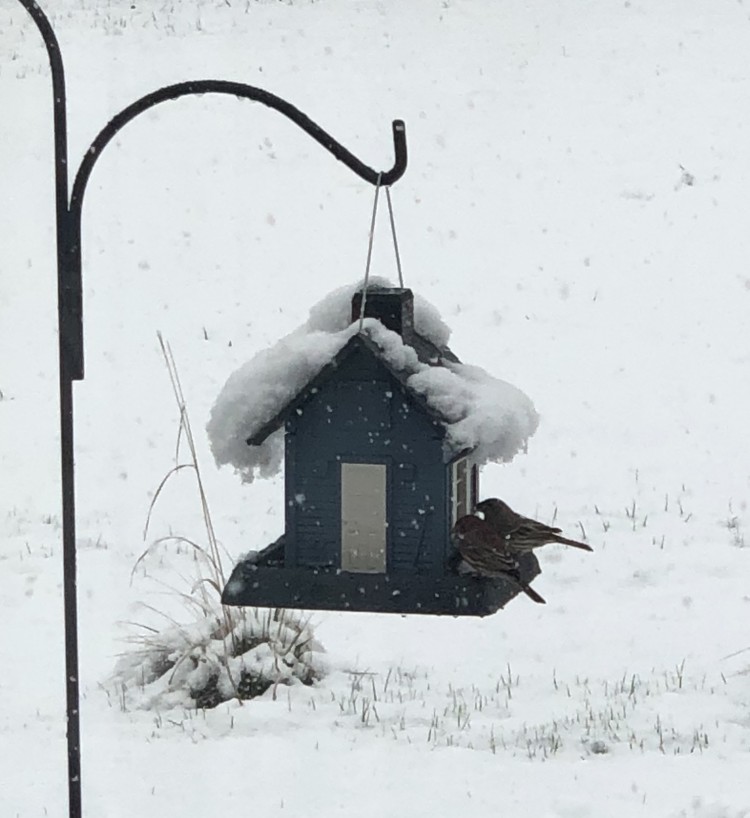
[70,593]
[70,297]
[64,282]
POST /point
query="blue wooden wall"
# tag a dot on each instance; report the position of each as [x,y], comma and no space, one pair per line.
[362,415]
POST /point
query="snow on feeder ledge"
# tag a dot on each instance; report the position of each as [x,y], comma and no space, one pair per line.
[381,433]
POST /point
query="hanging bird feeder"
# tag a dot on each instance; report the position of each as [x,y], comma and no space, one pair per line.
[383,432]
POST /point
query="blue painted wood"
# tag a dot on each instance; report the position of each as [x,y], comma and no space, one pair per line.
[330,372]
[260,585]
[364,415]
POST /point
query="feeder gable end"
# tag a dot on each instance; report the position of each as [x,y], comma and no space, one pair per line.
[351,420]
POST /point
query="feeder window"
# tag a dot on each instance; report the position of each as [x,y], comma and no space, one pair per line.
[363,517]
[464,479]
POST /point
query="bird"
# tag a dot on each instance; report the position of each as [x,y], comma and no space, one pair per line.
[486,553]
[521,534]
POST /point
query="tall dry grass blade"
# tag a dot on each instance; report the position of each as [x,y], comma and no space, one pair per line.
[158,491]
[179,440]
[178,627]
[188,433]
[134,624]
[207,581]
[214,554]
[171,537]
[203,604]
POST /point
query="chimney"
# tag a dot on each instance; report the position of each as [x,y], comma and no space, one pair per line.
[392,306]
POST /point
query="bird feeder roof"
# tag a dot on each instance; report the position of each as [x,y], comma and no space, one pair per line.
[364,341]
[477,412]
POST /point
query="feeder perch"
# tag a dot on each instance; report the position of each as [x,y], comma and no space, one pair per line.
[371,490]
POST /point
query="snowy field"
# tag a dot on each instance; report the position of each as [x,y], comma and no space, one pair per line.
[576,206]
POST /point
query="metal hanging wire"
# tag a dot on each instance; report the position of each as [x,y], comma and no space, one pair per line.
[369,254]
[371,242]
[393,233]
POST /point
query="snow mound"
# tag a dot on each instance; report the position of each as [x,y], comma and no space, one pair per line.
[480,412]
[236,654]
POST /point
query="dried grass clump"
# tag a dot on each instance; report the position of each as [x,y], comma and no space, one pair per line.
[224,652]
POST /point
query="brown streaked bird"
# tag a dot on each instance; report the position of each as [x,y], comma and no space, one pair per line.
[486,553]
[521,533]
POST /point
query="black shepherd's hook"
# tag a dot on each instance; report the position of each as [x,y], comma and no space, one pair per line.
[236,89]
[69,302]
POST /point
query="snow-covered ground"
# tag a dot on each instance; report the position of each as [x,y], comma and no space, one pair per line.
[576,207]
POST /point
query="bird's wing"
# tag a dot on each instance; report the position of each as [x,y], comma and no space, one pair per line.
[535,527]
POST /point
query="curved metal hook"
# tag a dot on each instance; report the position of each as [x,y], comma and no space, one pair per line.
[241,90]
[74,287]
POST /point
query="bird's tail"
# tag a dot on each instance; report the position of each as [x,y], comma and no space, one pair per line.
[527,589]
[532,594]
[574,543]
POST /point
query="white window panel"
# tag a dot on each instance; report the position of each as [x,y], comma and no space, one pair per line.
[363,517]
[461,489]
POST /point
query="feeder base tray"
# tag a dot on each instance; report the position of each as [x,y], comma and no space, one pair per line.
[329,589]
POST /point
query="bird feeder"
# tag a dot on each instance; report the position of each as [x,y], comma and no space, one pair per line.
[373,480]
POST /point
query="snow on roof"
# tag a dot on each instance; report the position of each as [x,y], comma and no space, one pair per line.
[482,413]
[334,311]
